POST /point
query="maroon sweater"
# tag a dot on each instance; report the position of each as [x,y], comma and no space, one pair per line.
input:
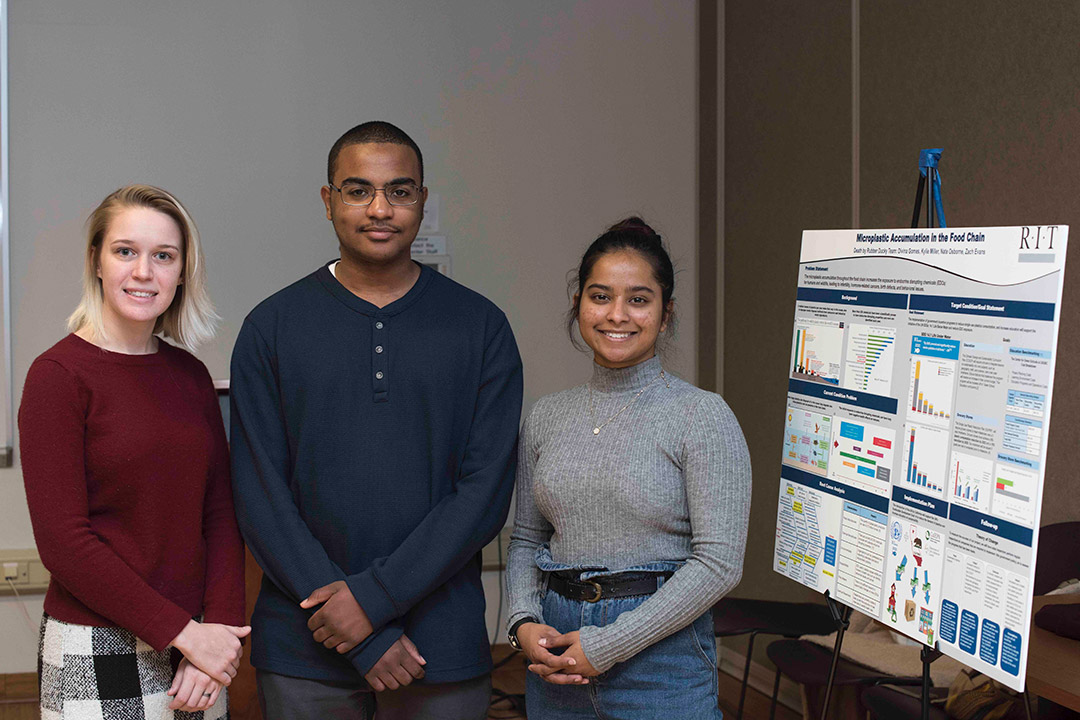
[127,478]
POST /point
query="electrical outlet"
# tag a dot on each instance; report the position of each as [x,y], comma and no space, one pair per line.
[23,569]
[17,572]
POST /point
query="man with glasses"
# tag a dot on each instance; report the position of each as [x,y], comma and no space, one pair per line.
[375,406]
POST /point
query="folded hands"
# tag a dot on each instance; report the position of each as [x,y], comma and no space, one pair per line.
[571,667]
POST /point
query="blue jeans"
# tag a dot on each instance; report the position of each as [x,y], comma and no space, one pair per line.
[675,677]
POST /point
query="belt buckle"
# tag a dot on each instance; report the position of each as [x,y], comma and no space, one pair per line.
[596,588]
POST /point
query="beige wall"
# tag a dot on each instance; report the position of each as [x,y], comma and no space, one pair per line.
[541,123]
[991,82]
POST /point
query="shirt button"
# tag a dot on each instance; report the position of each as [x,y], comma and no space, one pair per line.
[379,375]
[378,348]
[378,325]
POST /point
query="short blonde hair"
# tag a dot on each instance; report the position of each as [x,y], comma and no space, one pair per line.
[190,319]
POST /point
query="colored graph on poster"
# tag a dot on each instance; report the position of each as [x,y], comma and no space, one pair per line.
[1014,492]
[869,361]
[970,477]
[933,375]
[926,452]
[818,350]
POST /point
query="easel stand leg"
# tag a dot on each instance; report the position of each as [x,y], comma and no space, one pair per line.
[842,616]
[929,197]
[746,675]
[929,655]
[918,201]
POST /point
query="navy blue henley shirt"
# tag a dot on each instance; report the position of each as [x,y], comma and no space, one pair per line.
[374,445]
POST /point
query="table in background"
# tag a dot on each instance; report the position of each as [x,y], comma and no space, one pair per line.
[1053,667]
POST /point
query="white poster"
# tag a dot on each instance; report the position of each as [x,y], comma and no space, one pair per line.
[921,373]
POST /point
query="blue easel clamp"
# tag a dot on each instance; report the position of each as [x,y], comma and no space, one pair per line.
[928,167]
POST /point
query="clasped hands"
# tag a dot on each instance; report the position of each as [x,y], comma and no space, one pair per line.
[211,660]
[341,624]
[570,668]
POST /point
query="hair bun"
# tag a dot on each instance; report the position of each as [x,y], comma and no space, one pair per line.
[637,226]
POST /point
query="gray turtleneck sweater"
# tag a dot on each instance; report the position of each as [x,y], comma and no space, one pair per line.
[667,479]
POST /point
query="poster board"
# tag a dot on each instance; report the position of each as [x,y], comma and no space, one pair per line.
[915,437]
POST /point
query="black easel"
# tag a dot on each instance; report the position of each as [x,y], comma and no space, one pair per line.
[929,180]
[928,655]
[842,617]
[930,184]
[928,160]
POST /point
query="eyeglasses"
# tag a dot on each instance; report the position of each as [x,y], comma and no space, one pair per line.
[362,195]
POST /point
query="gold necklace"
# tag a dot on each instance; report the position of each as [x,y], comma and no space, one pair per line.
[592,409]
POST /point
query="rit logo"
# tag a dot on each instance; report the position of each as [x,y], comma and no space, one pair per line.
[1029,235]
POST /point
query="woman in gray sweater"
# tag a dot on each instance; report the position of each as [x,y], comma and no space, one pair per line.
[633,494]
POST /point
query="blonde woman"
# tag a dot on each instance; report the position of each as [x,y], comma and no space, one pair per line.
[127,479]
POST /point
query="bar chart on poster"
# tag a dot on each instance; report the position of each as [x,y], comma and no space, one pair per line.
[818,345]
[933,375]
[924,463]
[869,362]
[915,437]
[970,477]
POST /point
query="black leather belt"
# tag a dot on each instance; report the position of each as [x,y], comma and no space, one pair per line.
[605,587]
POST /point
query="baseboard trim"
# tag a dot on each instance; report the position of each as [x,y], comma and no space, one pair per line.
[761,678]
[17,688]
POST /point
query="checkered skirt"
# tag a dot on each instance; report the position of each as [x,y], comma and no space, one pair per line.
[106,673]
